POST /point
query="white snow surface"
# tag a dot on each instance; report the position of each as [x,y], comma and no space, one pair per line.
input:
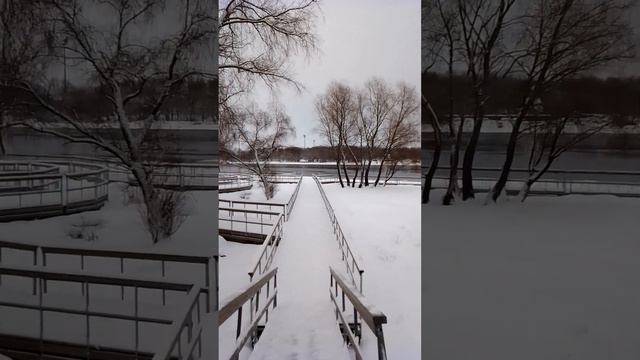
[382,226]
[256,193]
[553,278]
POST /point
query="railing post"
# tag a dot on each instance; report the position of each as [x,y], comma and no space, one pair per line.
[64,195]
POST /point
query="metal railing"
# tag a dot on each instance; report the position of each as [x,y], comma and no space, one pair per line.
[268,249]
[396,180]
[292,199]
[189,320]
[250,294]
[177,175]
[555,182]
[124,257]
[229,182]
[254,221]
[349,259]
[373,318]
[86,281]
[73,187]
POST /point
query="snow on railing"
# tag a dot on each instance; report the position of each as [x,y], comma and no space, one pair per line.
[83,307]
[250,294]
[268,248]
[208,281]
[373,318]
[180,175]
[347,255]
[292,199]
[396,180]
[75,186]
[253,220]
[188,319]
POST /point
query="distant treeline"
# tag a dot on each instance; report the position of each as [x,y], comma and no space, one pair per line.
[327,154]
[193,100]
[618,97]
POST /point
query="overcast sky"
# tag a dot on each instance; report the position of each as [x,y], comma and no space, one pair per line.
[358,39]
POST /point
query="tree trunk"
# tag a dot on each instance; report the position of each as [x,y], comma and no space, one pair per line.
[346,174]
[366,174]
[497,189]
[380,171]
[470,151]
[453,188]
[428,178]
[339,174]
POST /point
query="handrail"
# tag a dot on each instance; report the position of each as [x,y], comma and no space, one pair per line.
[86,280]
[345,248]
[250,294]
[268,248]
[40,194]
[123,255]
[246,219]
[185,320]
[372,317]
[292,199]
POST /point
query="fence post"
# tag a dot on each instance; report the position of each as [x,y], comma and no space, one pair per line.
[64,195]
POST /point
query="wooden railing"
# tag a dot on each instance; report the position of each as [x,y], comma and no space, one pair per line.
[250,294]
[353,269]
[268,249]
[86,280]
[373,318]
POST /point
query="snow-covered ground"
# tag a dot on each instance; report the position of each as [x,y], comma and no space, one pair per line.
[120,228]
[382,226]
[256,193]
[553,278]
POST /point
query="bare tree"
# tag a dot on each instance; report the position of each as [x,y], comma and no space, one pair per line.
[377,109]
[547,145]
[564,39]
[401,128]
[257,39]
[128,71]
[482,26]
[336,112]
[257,133]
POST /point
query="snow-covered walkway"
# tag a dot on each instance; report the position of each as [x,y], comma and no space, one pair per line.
[303,325]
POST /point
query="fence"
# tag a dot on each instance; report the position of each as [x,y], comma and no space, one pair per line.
[401,180]
[124,257]
[171,175]
[373,318]
[252,222]
[268,249]
[556,182]
[349,259]
[91,348]
[72,187]
[250,294]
